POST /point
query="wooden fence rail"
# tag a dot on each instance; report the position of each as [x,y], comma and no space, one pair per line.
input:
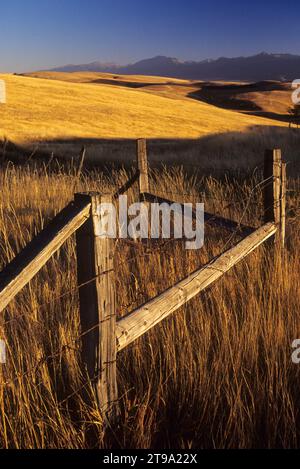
[35,255]
[103,336]
[132,326]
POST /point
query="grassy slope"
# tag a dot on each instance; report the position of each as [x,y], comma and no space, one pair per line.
[39,109]
[276,99]
[93,77]
[272,101]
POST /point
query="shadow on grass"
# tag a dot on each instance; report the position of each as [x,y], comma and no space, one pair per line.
[216,154]
[230,96]
[128,84]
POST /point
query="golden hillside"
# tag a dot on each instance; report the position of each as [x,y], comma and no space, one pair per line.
[267,98]
[38,109]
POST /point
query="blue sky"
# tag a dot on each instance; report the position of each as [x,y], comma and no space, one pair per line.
[38,34]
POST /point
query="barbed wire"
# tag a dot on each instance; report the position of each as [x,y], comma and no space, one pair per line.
[142,245]
[225,247]
[139,245]
[160,248]
[197,194]
[197,166]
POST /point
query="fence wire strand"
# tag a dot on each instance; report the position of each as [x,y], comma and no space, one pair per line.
[160,248]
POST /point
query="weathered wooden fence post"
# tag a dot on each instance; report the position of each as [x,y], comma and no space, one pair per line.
[143,166]
[283,203]
[144,189]
[275,192]
[95,266]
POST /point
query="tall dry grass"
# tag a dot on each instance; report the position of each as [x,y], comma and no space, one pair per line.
[217,374]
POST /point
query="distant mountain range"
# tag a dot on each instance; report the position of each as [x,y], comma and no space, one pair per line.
[263,66]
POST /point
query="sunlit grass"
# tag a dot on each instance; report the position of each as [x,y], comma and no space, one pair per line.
[218,373]
[39,109]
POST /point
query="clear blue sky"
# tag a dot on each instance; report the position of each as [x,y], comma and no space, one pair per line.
[38,34]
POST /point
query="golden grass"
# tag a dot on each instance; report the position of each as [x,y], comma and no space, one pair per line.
[40,109]
[278,102]
[275,101]
[173,88]
[94,77]
[218,373]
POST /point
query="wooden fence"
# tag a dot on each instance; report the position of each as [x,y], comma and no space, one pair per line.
[103,334]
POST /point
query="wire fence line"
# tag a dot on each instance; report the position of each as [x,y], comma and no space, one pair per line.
[151,250]
[69,346]
[194,193]
[100,308]
[161,247]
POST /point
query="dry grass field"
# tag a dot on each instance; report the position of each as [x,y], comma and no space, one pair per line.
[267,98]
[54,109]
[183,121]
[218,373]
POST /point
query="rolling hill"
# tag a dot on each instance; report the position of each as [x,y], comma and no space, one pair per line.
[266,98]
[39,109]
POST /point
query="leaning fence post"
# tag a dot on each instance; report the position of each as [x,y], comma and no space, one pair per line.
[274,192]
[143,166]
[95,272]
